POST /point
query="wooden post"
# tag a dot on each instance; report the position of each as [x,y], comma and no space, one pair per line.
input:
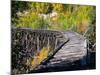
[38,43]
[56,43]
[48,45]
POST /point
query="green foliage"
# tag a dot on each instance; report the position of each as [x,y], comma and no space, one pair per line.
[74,17]
[57,7]
[18,6]
[31,20]
[67,22]
[40,7]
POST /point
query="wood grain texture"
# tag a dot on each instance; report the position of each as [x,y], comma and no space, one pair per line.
[66,47]
[73,50]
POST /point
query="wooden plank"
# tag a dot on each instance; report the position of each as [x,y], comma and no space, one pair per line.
[73,50]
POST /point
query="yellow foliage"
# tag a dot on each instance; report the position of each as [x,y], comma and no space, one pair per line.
[40,57]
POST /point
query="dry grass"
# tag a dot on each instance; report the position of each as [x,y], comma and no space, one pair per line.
[39,57]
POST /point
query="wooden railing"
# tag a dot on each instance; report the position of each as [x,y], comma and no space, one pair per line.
[26,43]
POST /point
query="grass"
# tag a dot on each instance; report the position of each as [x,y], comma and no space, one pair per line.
[39,57]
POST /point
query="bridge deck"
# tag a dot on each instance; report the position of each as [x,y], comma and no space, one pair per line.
[67,47]
[73,50]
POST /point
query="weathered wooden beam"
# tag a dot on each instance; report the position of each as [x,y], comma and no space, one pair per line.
[73,50]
